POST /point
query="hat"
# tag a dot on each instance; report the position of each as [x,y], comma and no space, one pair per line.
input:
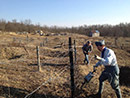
[100,43]
[88,42]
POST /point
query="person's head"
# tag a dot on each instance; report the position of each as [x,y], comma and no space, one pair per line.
[89,42]
[100,45]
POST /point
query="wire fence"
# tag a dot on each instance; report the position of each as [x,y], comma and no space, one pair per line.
[53,55]
[49,80]
[55,59]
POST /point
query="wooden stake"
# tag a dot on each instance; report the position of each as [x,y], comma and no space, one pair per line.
[38,58]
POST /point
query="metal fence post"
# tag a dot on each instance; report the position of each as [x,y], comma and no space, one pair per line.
[71,68]
[75,52]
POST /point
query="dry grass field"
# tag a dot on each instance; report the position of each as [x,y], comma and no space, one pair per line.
[20,78]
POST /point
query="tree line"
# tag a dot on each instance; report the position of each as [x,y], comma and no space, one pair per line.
[122,29]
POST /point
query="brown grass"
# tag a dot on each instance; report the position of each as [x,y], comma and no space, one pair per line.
[20,76]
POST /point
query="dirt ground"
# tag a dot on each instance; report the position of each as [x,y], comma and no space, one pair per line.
[20,77]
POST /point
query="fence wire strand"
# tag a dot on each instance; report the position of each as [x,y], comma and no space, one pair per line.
[63,55]
[49,80]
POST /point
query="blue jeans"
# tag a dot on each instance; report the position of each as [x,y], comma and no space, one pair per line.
[111,73]
[86,58]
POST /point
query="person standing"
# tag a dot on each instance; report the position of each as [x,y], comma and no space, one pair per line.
[111,71]
[87,49]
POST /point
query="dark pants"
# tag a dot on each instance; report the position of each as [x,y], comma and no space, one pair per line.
[111,73]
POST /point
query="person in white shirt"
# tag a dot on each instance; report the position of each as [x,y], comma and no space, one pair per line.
[111,71]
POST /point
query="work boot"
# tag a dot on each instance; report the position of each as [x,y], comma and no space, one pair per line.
[87,63]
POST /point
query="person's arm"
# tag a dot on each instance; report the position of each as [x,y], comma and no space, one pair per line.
[83,48]
[98,64]
[108,59]
[90,50]
[84,51]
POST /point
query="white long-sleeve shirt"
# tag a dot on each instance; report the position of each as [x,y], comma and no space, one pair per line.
[109,58]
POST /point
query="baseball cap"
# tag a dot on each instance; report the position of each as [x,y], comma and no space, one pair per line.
[88,42]
[100,43]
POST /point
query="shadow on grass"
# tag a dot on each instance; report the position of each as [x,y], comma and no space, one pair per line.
[10,92]
[31,64]
[81,93]
[16,57]
[125,76]
[48,64]
[52,64]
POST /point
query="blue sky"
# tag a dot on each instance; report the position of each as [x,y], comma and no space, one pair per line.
[66,12]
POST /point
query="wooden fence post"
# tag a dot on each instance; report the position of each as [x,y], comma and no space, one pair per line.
[38,58]
[71,68]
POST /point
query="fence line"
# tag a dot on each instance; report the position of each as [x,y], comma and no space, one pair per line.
[71,50]
[49,80]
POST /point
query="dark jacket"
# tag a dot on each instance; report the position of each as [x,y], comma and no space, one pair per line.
[87,48]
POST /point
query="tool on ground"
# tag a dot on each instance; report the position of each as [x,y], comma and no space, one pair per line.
[88,77]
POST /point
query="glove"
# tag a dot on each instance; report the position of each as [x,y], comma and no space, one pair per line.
[97,57]
[84,52]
